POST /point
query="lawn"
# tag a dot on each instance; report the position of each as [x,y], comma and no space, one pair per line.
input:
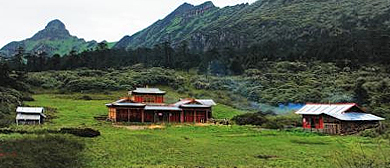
[202,146]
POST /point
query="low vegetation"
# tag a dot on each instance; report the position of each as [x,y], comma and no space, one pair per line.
[40,151]
[190,145]
[276,83]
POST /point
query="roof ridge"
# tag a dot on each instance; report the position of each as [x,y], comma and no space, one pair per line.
[331,104]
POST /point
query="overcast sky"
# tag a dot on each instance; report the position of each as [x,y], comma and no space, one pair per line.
[89,19]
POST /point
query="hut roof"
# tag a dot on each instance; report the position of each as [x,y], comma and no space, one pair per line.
[29,110]
[36,116]
[148,91]
[170,108]
[339,111]
[203,102]
[125,104]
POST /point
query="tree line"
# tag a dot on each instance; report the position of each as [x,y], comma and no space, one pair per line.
[347,49]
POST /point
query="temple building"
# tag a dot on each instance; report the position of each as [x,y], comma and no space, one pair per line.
[147,105]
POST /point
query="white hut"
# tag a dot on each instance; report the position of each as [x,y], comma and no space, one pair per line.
[30,115]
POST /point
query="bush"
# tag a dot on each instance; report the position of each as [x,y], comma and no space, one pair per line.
[369,133]
[81,132]
[86,97]
[41,152]
[258,118]
[356,157]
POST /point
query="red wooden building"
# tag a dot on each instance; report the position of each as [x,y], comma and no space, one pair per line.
[344,118]
[147,105]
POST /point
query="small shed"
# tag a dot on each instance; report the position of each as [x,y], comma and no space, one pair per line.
[30,115]
[345,118]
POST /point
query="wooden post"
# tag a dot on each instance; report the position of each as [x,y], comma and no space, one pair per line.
[142,116]
[194,116]
[182,116]
[207,116]
[128,115]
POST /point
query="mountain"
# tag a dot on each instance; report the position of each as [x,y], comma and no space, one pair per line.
[286,26]
[183,21]
[54,39]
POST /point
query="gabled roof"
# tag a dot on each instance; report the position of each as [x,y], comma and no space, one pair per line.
[170,108]
[148,91]
[338,111]
[208,102]
[31,116]
[125,102]
[352,116]
[203,102]
[29,110]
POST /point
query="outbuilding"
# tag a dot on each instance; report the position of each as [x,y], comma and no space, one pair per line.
[30,115]
[345,118]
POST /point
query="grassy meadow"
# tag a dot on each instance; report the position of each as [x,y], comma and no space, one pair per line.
[190,145]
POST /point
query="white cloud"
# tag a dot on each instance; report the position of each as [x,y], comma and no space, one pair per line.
[89,19]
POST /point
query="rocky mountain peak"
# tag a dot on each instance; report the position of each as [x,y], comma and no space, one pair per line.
[55,29]
[55,24]
[207,4]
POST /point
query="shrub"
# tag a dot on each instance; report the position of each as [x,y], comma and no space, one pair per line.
[86,97]
[369,133]
[41,152]
[258,118]
[81,132]
[355,156]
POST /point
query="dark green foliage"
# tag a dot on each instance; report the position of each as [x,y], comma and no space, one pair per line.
[275,83]
[86,97]
[81,132]
[346,31]
[283,121]
[41,152]
[9,99]
[85,80]
[268,120]
[258,118]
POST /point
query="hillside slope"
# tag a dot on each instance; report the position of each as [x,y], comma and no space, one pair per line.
[54,39]
[186,20]
[291,24]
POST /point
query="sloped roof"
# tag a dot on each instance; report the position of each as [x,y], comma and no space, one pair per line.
[352,116]
[338,111]
[171,108]
[204,102]
[194,105]
[208,102]
[126,104]
[148,91]
[32,116]
[29,110]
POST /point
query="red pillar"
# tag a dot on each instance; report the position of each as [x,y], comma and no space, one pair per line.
[128,115]
[142,116]
[194,116]
[182,116]
[207,116]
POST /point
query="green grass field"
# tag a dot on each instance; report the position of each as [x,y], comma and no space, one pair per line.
[201,146]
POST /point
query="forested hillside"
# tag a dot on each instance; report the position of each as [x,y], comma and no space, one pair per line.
[282,28]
